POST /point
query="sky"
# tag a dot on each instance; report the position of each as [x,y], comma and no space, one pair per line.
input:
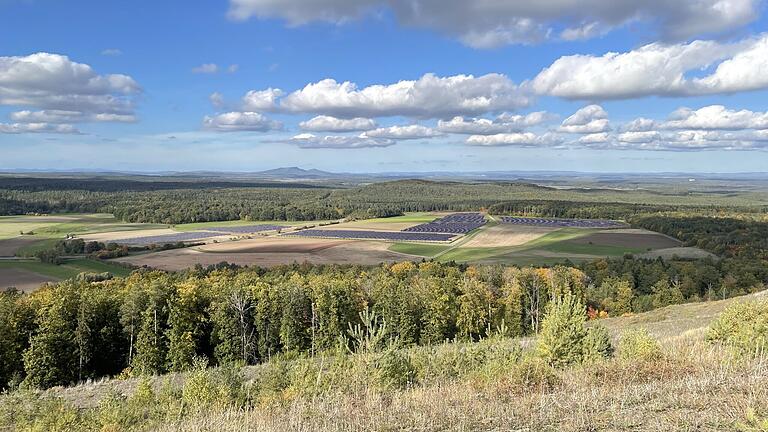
[384,85]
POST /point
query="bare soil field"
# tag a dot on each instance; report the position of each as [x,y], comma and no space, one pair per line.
[8,247]
[24,280]
[680,252]
[354,252]
[507,235]
[629,238]
[272,245]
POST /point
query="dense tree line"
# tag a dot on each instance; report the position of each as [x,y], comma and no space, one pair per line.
[724,236]
[154,322]
[174,202]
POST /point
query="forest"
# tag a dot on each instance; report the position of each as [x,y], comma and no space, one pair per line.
[154,322]
[174,202]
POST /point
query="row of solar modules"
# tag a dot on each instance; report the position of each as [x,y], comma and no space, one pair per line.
[456,223]
[374,235]
[195,235]
[565,223]
[247,229]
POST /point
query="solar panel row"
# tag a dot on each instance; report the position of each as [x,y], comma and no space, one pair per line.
[167,238]
[246,229]
[570,223]
[374,235]
[456,223]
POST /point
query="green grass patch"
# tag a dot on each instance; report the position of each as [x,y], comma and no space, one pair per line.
[12,226]
[69,269]
[590,249]
[425,250]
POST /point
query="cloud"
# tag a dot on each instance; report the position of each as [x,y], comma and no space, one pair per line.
[59,87]
[403,132]
[658,69]
[61,116]
[206,68]
[310,141]
[520,139]
[241,121]
[111,52]
[332,124]
[587,120]
[217,99]
[54,81]
[261,100]
[716,117]
[233,68]
[20,128]
[430,96]
[504,123]
[493,23]
[641,124]
[595,138]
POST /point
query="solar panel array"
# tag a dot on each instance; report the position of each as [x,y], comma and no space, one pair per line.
[246,229]
[562,223]
[457,223]
[374,235]
[167,238]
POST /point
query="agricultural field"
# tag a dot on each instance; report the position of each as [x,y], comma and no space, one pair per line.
[472,238]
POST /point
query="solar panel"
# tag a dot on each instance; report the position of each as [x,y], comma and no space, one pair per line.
[456,223]
[246,229]
[562,223]
[373,235]
[167,238]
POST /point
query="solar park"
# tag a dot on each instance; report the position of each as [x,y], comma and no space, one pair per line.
[189,236]
[562,223]
[462,237]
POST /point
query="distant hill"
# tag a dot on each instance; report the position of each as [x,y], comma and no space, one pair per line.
[296,173]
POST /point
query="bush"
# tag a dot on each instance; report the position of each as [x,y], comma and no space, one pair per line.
[395,369]
[561,342]
[531,374]
[597,344]
[639,345]
[742,326]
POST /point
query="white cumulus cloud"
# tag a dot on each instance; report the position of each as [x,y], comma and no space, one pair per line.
[504,123]
[325,123]
[658,69]
[310,141]
[241,121]
[403,132]
[520,139]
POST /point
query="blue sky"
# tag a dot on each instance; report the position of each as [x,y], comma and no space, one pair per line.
[493,84]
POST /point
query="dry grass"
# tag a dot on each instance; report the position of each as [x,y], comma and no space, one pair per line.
[693,389]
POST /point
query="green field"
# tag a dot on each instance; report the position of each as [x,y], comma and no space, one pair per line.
[59,225]
[551,248]
[69,269]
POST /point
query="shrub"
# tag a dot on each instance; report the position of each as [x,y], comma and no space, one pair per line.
[531,374]
[742,326]
[395,369]
[639,345]
[561,341]
[597,344]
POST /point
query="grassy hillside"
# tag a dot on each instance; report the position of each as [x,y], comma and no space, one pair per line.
[490,385]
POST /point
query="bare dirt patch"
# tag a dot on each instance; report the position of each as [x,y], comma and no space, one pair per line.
[353,252]
[507,235]
[24,280]
[640,239]
[271,245]
[9,247]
